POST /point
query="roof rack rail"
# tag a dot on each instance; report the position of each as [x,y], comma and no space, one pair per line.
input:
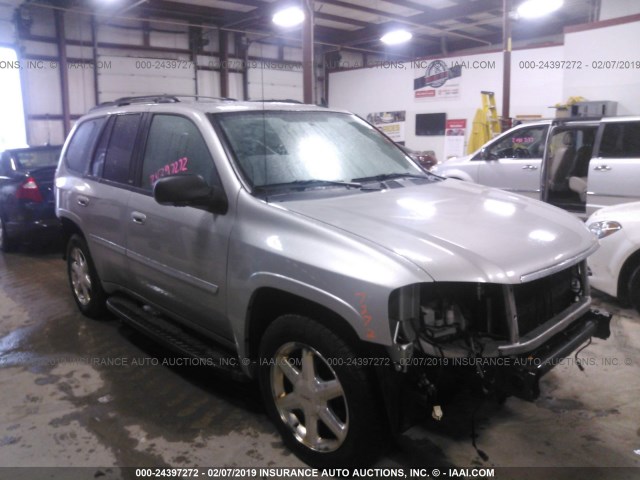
[161,98]
[206,97]
[594,118]
[279,100]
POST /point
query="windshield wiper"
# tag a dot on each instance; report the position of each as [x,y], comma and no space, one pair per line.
[303,184]
[313,183]
[390,176]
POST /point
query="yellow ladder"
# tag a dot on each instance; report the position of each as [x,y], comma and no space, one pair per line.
[485,123]
[489,109]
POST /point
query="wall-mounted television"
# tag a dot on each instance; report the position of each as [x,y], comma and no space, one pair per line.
[430,123]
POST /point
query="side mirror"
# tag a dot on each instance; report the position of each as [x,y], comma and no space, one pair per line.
[482,155]
[190,191]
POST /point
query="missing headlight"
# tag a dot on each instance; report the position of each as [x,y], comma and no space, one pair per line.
[451,310]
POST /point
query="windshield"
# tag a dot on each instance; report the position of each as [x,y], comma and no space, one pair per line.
[280,148]
[37,158]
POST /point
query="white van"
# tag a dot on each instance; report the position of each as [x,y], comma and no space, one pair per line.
[580,165]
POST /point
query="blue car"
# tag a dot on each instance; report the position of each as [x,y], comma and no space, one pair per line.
[27,202]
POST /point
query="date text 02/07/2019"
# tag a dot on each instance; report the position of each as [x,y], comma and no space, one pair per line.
[307,472]
[579,65]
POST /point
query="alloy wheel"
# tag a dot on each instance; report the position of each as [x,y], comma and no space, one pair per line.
[80,277]
[309,397]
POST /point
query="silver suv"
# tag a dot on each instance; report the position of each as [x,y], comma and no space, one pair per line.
[298,246]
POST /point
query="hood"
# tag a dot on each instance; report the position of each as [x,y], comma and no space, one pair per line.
[457,231]
[624,212]
[461,159]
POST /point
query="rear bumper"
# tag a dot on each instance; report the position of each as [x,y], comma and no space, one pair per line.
[521,377]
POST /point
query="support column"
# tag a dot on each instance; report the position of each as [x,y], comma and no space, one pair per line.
[308,66]
[64,71]
[506,73]
[94,52]
[223,42]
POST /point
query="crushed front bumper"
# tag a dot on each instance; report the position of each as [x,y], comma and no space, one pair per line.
[521,378]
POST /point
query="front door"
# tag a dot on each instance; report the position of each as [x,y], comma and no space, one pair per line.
[178,255]
[513,161]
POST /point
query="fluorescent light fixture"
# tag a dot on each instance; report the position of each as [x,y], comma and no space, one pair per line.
[396,37]
[538,8]
[288,17]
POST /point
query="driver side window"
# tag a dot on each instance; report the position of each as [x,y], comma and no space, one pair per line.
[175,146]
[522,143]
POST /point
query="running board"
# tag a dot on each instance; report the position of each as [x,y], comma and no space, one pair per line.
[175,338]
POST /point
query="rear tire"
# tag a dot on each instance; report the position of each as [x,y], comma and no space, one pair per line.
[323,405]
[83,279]
[7,244]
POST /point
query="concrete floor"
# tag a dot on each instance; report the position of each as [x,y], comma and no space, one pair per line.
[62,406]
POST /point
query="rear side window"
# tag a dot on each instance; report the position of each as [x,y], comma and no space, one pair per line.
[81,145]
[175,146]
[620,140]
[120,149]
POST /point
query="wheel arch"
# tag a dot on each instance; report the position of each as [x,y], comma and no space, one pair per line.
[269,303]
[69,228]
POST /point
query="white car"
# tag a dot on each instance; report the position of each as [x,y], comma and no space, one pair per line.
[615,266]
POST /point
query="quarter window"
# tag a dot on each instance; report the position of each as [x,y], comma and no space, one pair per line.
[121,143]
[175,146]
[79,150]
[620,140]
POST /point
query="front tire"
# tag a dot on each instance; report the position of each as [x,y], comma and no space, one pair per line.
[83,279]
[323,406]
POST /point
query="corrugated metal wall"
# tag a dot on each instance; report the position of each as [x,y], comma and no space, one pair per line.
[133,58]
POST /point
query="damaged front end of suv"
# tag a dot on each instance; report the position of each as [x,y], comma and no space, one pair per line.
[504,336]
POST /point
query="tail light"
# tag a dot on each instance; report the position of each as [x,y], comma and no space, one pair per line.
[29,191]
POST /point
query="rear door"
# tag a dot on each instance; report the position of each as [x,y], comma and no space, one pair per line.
[178,255]
[104,196]
[614,172]
[513,162]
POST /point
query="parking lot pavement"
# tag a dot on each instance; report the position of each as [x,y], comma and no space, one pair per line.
[77,392]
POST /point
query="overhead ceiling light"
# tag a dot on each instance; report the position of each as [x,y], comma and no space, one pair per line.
[288,17]
[396,37]
[538,8]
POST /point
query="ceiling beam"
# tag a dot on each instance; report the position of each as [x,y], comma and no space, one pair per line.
[423,19]
[415,6]
[170,9]
[359,8]
[266,10]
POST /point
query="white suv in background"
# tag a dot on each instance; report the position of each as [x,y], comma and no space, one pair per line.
[579,165]
[615,266]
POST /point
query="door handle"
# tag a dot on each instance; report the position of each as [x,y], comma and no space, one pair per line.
[82,200]
[529,167]
[602,168]
[138,218]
